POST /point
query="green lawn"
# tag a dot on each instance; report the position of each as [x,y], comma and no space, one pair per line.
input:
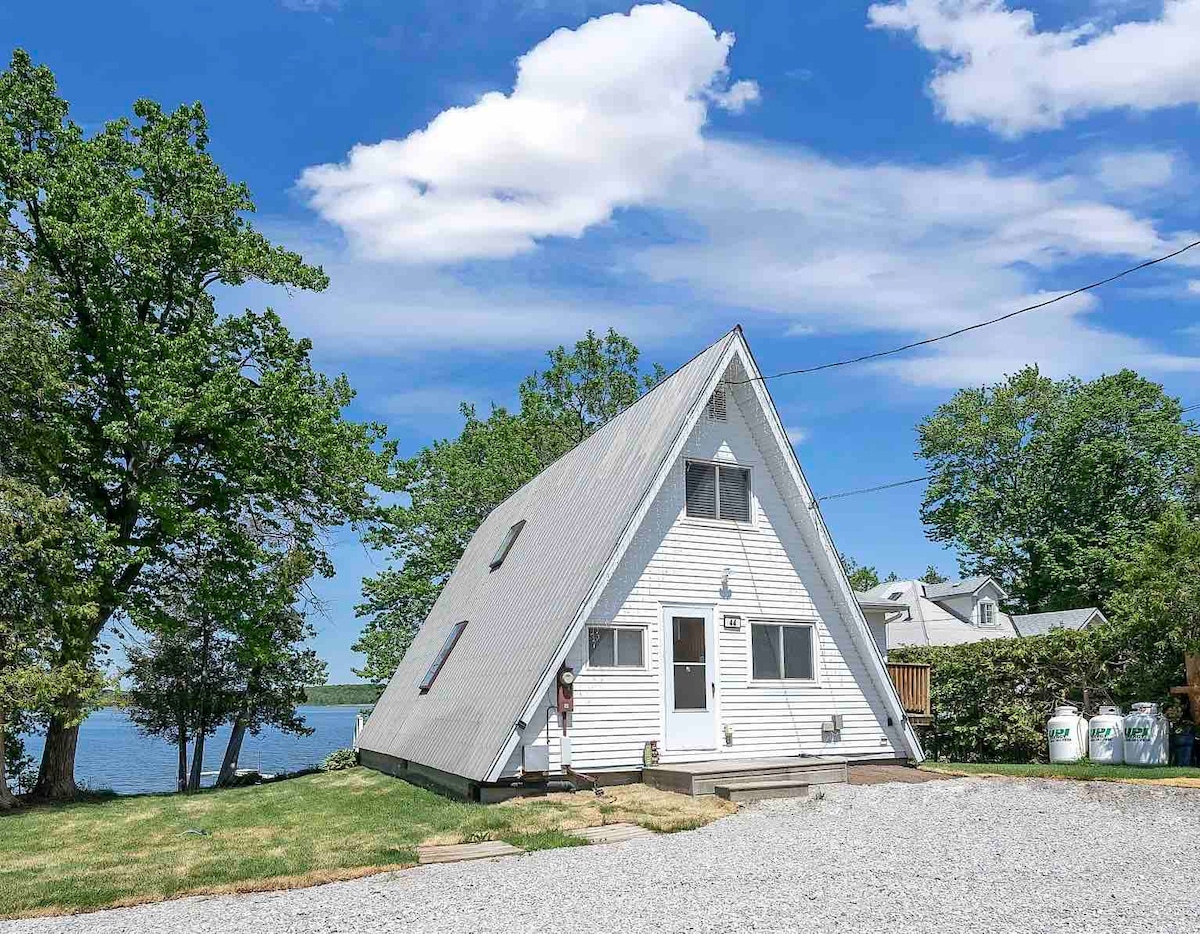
[1087,771]
[301,831]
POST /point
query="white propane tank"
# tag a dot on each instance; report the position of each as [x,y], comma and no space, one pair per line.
[1067,732]
[1106,736]
[1146,736]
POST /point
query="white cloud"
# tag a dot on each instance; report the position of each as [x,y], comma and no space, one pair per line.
[905,251]
[1137,170]
[597,120]
[797,435]
[1193,286]
[995,67]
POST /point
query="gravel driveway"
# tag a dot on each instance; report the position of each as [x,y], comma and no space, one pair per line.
[965,855]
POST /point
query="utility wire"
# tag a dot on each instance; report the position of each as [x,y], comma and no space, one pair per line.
[974,327]
[891,486]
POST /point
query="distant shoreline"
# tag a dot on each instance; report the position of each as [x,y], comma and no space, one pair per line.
[317,695]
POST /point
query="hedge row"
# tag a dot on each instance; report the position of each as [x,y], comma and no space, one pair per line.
[991,699]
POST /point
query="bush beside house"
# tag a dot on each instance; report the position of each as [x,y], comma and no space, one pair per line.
[991,699]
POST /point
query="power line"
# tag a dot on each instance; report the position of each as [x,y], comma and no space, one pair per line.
[891,486]
[974,327]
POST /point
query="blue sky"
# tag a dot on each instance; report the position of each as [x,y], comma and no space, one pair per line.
[836,177]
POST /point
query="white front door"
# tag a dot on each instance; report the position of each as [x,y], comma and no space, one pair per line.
[690,676]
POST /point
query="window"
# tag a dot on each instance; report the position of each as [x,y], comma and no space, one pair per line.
[440,659]
[615,647]
[896,595]
[782,652]
[506,545]
[717,491]
[987,613]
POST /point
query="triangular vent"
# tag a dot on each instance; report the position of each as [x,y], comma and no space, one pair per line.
[716,409]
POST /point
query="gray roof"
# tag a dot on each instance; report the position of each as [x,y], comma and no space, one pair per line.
[575,513]
[957,588]
[1038,624]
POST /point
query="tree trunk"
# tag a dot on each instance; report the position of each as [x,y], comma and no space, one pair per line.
[7,801]
[181,776]
[201,718]
[197,761]
[232,750]
[56,776]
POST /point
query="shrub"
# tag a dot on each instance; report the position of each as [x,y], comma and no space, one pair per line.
[991,699]
[340,759]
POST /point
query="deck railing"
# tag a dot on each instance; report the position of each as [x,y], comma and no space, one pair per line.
[912,684]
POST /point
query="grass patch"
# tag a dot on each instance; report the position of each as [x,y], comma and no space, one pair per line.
[120,850]
[1080,771]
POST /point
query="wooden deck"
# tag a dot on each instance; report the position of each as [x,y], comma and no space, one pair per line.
[702,778]
[912,684]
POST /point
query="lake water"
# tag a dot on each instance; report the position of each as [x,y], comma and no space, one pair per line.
[113,754]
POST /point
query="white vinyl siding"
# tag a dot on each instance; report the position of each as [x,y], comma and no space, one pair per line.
[773,577]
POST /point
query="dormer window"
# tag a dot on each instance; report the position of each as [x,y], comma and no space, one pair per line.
[717,491]
[987,613]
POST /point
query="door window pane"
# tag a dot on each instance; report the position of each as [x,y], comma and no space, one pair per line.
[690,693]
[629,648]
[797,652]
[688,642]
[735,493]
[701,491]
[601,647]
[765,650]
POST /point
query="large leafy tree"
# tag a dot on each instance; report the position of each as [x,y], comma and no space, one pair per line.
[1049,485]
[452,485]
[44,590]
[151,413]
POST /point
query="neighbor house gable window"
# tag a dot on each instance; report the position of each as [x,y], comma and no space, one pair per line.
[616,647]
[782,651]
[440,659]
[987,613]
[717,491]
[510,539]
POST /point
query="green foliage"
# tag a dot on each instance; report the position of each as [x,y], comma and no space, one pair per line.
[1160,594]
[933,576]
[1049,486]
[991,699]
[339,759]
[452,485]
[123,390]
[863,578]
[331,694]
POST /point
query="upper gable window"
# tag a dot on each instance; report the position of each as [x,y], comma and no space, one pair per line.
[987,613]
[440,659]
[717,491]
[506,545]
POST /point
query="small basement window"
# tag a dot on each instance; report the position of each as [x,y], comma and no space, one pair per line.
[717,491]
[616,647]
[506,546]
[440,659]
[782,651]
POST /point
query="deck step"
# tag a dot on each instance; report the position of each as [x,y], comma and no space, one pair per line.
[740,792]
[702,778]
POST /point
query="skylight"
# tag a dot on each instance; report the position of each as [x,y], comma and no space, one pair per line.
[440,659]
[506,545]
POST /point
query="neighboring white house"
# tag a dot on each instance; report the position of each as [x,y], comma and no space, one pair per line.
[675,569]
[912,612]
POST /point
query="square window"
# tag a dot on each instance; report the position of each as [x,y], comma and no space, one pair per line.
[717,491]
[616,647]
[781,652]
